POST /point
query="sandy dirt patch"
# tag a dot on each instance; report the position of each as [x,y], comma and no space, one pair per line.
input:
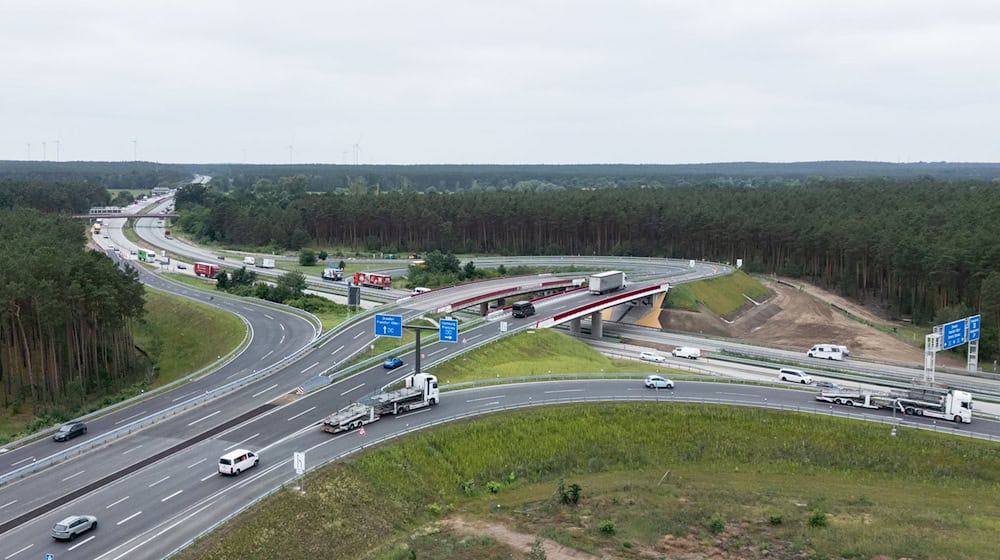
[516,540]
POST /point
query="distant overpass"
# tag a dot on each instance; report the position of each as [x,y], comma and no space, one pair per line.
[531,285]
[595,308]
[103,215]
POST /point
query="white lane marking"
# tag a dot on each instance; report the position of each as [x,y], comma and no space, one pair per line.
[116,502]
[301,413]
[81,543]
[73,475]
[133,516]
[491,403]
[352,389]
[335,438]
[259,393]
[437,351]
[241,442]
[185,396]
[268,316]
[204,418]
[268,354]
[282,326]
[10,503]
[25,460]
[486,398]
[208,504]
[565,391]
[734,394]
[232,375]
[337,350]
[359,335]
[198,462]
[171,496]
[130,417]
[282,341]
[16,552]
[131,450]
[474,337]
[210,476]
[159,481]
[309,368]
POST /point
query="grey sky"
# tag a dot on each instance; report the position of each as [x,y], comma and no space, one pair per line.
[510,81]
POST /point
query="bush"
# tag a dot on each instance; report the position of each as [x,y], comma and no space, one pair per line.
[307,257]
[776,519]
[716,524]
[606,527]
[493,486]
[817,519]
[537,551]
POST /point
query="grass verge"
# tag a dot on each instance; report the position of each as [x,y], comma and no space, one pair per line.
[182,336]
[721,295]
[657,480]
[538,352]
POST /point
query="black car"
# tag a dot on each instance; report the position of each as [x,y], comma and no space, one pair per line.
[70,430]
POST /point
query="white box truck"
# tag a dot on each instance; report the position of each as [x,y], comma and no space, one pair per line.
[267,263]
[604,282]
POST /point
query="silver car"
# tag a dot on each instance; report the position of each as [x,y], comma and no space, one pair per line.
[69,528]
[658,382]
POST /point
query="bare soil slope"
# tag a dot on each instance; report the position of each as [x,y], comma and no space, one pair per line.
[796,317]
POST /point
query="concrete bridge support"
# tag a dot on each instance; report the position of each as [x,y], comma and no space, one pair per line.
[596,325]
[574,326]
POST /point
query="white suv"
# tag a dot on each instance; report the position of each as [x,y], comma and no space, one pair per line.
[794,376]
[658,382]
[651,357]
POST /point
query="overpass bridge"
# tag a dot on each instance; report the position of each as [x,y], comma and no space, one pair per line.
[532,285]
[594,309]
[102,215]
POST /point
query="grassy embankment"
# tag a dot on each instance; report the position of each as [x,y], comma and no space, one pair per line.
[721,295]
[742,483]
[173,334]
[658,480]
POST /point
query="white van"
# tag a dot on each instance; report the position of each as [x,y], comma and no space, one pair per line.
[237,461]
[687,352]
[249,261]
[794,376]
[828,352]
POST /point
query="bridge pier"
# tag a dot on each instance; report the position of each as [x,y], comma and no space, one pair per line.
[484,308]
[596,325]
[574,325]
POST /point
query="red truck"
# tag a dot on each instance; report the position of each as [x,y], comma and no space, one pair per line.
[373,280]
[206,269]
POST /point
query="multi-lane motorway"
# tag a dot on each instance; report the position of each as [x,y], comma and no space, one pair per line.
[164,489]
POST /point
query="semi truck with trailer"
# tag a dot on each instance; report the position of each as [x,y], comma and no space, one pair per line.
[266,263]
[418,391]
[207,270]
[373,280]
[604,282]
[917,400]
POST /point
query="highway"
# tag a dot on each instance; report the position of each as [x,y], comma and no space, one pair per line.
[168,490]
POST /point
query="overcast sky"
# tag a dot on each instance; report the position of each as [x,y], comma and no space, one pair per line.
[510,81]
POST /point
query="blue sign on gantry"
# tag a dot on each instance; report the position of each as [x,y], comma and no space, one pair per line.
[974,327]
[953,334]
[389,325]
[448,330]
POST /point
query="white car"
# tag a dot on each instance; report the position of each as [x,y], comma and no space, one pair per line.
[69,528]
[794,376]
[651,357]
[658,382]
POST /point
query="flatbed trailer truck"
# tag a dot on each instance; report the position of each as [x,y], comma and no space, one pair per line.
[933,402]
[419,391]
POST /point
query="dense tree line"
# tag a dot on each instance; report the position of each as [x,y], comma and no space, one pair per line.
[915,247]
[60,198]
[65,313]
[473,178]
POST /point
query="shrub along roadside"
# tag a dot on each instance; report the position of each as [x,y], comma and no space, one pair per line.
[739,467]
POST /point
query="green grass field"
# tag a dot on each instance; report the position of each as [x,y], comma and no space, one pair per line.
[183,336]
[538,352]
[657,481]
[720,295]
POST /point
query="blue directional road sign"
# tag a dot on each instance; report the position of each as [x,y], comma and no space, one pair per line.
[448,330]
[50,556]
[974,327]
[953,334]
[389,325]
